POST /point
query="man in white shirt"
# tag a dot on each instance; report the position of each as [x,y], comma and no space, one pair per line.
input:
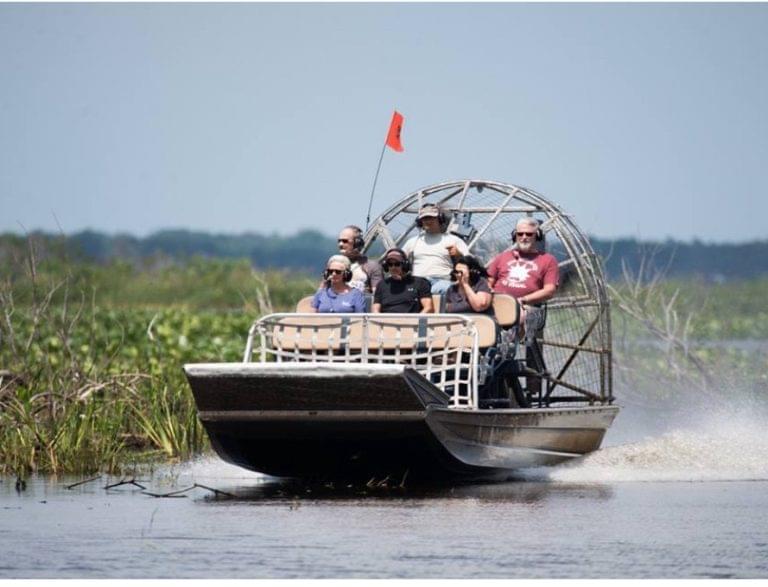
[433,251]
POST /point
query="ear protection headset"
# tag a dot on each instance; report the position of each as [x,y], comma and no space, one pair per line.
[474,273]
[441,218]
[347,275]
[406,263]
[539,233]
[358,242]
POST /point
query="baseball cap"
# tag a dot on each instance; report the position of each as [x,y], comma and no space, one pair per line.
[429,210]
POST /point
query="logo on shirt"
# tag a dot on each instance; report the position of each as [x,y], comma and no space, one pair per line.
[519,271]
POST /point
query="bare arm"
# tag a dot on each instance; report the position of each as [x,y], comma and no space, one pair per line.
[426,305]
[376,308]
[540,295]
[479,301]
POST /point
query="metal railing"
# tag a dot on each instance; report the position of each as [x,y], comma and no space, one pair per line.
[442,348]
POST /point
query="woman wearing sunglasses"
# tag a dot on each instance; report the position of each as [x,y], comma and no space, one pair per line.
[336,295]
[469,291]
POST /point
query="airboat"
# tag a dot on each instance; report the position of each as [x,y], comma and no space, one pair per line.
[430,396]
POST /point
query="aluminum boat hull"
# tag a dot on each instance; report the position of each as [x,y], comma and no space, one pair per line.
[325,421]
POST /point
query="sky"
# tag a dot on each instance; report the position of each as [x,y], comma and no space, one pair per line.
[640,120]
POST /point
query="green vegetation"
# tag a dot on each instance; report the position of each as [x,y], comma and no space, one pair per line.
[91,354]
[92,357]
[734,310]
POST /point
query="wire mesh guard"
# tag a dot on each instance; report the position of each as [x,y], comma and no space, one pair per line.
[576,343]
[443,349]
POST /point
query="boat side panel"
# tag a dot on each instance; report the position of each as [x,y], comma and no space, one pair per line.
[272,391]
[520,438]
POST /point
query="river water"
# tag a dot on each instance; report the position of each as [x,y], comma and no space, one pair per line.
[687,500]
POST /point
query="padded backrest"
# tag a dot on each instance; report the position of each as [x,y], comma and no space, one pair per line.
[322,332]
[442,332]
[507,310]
[486,329]
[304,305]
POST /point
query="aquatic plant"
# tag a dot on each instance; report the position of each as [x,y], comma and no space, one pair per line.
[87,386]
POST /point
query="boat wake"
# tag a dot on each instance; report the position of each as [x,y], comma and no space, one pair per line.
[207,470]
[720,447]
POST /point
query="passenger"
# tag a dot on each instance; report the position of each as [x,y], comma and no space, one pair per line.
[433,250]
[470,291]
[366,274]
[532,276]
[336,295]
[401,292]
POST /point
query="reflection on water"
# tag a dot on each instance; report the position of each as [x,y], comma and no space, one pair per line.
[521,491]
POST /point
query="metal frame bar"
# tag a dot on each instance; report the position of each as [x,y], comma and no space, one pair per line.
[514,199]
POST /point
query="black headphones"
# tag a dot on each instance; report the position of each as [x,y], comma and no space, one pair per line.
[474,276]
[441,217]
[358,241]
[539,233]
[347,275]
[474,273]
[406,263]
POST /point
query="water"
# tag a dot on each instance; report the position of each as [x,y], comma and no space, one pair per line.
[686,500]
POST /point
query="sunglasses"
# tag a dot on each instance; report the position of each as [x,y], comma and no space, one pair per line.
[334,271]
[344,240]
[523,233]
[457,273]
[393,264]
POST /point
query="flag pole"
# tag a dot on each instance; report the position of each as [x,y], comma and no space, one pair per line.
[392,141]
[373,189]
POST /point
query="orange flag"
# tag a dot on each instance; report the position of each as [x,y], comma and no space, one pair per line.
[393,137]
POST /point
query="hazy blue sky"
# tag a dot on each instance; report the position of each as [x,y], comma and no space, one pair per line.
[644,120]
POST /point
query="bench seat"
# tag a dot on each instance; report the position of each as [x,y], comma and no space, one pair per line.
[324,332]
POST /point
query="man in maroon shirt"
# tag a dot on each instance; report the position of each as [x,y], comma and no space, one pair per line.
[531,276]
[523,271]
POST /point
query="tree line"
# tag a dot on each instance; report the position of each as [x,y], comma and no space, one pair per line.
[307,250]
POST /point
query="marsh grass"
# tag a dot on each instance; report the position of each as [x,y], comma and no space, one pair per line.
[89,385]
[679,338]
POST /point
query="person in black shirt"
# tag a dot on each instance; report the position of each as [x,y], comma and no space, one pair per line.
[470,291]
[401,292]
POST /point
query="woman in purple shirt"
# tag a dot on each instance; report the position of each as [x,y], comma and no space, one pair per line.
[336,296]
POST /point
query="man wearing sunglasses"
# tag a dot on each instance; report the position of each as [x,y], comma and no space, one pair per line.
[401,292]
[524,271]
[532,276]
[366,274]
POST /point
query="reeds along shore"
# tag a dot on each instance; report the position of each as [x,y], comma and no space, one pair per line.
[91,355]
